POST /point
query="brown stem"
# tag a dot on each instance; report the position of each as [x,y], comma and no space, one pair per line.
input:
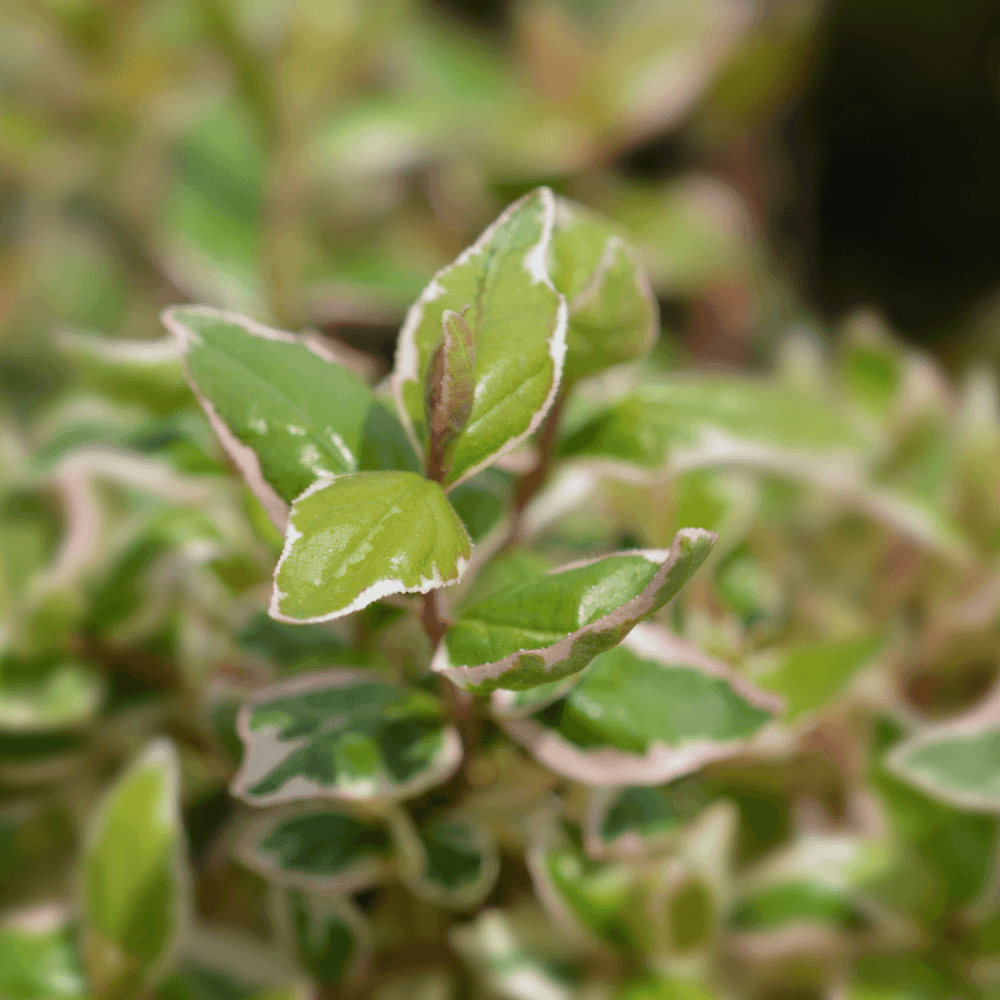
[529,484]
[435,625]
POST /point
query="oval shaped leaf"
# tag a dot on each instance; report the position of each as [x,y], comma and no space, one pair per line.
[134,880]
[342,735]
[321,849]
[283,408]
[684,422]
[518,324]
[958,761]
[613,314]
[358,538]
[451,860]
[647,712]
[550,626]
[46,696]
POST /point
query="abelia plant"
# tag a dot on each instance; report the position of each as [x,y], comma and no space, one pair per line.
[537,670]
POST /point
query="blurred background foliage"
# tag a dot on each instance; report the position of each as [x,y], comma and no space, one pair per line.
[787,167]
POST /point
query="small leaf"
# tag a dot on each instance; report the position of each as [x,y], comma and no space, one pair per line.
[651,710]
[329,938]
[293,647]
[134,885]
[448,394]
[957,761]
[358,538]
[813,674]
[798,902]
[654,988]
[320,849]
[451,860]
[518,325]
[550,626]
[49,695]
[684,422]
[613,314]
[342,735]
[147,372]
[37,957]
[286,412]
[629,822]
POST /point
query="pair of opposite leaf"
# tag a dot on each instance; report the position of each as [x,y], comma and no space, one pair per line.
[547,294]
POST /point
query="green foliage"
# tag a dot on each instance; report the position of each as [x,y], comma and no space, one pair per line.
[539,669]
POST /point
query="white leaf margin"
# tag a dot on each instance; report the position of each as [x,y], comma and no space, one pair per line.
[368,870]
[385,587]
[243,456]
[660,763]
[686,541]
[983,718]
[264,752]
[536,263]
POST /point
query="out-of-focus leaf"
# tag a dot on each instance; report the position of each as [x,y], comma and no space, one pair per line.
[451,860]
[957,761]
[134,882]
[548,627]
[38,697]
[362,537]
[813,674]
[319,849]
[649,711]
[342,735]
[329,937]
[518,323]
[147,372]
[38,957]
[294,647]
[613,315]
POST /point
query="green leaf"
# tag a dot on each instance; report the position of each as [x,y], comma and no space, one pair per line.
[37,957]
[482,501]
[957,761]
[285,410]
[813,674]
[613,313]
[649,711]
[50,695]
[147,372]
[342,735]
[654,988]
[683,422]
[548,627]
[362,537]
[451,860]
[626,822]
[293,647]
[518,325]
[319,848]
[329,938]
[134,882]
[798,902]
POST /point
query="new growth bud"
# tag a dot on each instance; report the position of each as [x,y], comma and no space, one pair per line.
[449,389]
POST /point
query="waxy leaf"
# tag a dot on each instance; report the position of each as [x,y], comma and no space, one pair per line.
[361,537]
[684,422]
[319,848]
[518,324]
[613,314]
[647,712]
[134,884]
[451,860]
[285,410]
[342,735]
[37,957]
[329,938]
[550,626]
[957,761]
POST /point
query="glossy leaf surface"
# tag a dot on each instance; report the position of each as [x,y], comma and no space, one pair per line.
[362,537]
[550,626]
